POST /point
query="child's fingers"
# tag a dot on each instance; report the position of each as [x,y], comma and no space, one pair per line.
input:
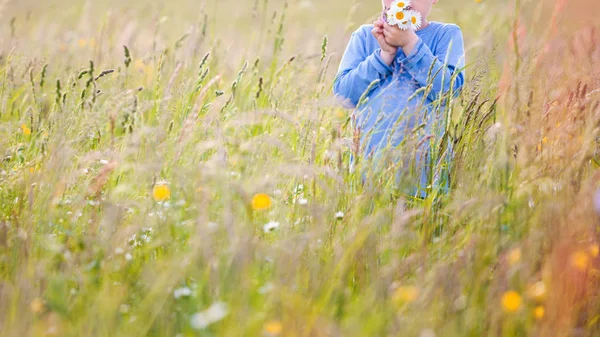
[378,35]
[375,33]
[382,41]
[389,30]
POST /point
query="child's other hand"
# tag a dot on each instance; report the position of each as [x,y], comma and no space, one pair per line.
[396,37]
[388,52]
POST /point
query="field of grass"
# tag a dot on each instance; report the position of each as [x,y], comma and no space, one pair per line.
[181,168]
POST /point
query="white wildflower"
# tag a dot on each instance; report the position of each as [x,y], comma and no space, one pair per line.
[216,312]
[266,288]
[400,4]
[414,19]
[182,292]
[339,215]
[427,333]
[460,303]
[298,189]
[271,226]
[128,257]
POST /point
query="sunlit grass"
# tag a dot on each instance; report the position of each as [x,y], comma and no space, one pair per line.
[196,182]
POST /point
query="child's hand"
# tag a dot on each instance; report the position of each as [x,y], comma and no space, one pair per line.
[405,39]
[388,52]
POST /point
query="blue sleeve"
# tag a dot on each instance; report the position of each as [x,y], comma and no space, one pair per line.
[449,59]
[358,69]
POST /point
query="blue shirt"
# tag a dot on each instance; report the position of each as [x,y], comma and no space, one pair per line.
[405,94]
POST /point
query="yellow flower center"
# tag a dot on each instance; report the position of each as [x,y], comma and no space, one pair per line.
[401,4]
[261,201]
[400,15]
[414,20]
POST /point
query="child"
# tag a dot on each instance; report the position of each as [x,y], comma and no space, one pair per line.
[414,69]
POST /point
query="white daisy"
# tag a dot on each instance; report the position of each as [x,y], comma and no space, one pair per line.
[271,226]
[404,25]
[302,201]
[414,19]
[339,215]
[400,4]
[395,15]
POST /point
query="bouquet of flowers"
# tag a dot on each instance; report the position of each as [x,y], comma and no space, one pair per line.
[400,14]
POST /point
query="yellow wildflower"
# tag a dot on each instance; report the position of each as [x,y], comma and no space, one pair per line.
[406,294]
[511,301]
[36,306]
[273,328]
[26,130]
[161,192]
[514,256]
[594,250]
[539,312]
[261,201]
[580,259]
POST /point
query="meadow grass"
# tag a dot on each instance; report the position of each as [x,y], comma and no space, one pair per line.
[181,169]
